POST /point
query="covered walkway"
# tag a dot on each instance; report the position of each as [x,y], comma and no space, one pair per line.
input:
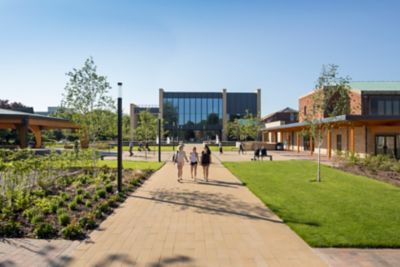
[22,122]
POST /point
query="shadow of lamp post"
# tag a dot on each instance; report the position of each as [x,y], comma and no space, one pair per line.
[119,180]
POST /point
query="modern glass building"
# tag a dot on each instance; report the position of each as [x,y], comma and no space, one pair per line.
[197,116]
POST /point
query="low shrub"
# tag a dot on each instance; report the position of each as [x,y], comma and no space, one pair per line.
[65,196]
[88,203]
[109,188]
[72,232]
[63,219]
[10,229]
[103,207]
[44,230]
[36,219]
[79,191]
[79,199]
[73,205]
[101,193]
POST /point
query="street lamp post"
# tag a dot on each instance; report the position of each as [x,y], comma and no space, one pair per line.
[119,180]
[159,137]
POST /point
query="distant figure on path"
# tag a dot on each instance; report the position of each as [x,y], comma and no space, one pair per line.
[220,148]
[194,159]
[206,161]
[179,159]
[241,148]
[130,148]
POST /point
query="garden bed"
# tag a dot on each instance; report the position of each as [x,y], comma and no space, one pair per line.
[378,167]
[42,198]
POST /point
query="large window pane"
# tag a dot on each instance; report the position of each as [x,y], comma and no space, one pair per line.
[388,107]
[396,107]
[381,107]
[204,109]
[198,110]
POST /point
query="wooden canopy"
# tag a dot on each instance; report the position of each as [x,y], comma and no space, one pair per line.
[23,122]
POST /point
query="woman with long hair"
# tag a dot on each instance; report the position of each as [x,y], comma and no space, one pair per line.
[180,158]
[206,161]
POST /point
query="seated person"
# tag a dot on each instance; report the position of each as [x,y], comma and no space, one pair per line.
[256,153]
[263,152]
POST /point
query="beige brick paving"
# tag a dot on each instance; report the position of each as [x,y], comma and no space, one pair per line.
[220,223]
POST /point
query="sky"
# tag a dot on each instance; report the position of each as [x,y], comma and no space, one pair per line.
[188,45]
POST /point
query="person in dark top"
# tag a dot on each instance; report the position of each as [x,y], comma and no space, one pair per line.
[256,153]
[206,161]
[241,148]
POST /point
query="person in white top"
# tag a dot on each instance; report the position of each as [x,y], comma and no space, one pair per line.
[180,161]
[194,159]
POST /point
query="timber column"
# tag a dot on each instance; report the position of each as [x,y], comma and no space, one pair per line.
[224,115]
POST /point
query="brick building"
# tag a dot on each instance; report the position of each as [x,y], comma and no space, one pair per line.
[372,125]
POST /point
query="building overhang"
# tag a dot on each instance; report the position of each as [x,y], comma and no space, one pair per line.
[339,121]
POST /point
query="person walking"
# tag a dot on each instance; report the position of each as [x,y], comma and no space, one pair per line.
[194,159]
[220,148]
[179,159]
[206,161]
[241,149]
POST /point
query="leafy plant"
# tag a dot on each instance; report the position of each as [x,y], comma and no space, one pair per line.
[109,188]
[101,193]
[88,203]
[73,205]
[64,219]
[72,232]
[37,219]
[10,229]
[44,230]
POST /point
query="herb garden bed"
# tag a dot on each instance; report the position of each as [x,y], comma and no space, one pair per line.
[41,197]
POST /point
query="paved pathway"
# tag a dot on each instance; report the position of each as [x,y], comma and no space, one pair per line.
[220,223]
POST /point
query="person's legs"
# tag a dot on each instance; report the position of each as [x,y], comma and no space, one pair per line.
[204,171]
[191,169]
[195,170]
[207,168]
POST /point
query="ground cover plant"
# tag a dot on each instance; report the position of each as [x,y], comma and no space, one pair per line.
[381,167]
[59,195]
[344,210]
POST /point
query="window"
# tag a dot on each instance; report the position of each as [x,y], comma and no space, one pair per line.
[386,145]
[305,110]
[339,142]
[384,105]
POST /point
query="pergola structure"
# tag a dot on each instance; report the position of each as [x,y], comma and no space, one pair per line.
[23,122]
[360,133]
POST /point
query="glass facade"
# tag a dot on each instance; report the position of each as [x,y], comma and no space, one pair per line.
[193,116]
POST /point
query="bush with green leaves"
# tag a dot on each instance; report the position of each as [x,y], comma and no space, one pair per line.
[101,193]
[72,231]
[44,230]
[36,219]
[73,205]
[88,203]
[10,229]
[63,219]
[109,188]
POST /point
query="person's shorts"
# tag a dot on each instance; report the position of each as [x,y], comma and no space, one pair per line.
[193,163]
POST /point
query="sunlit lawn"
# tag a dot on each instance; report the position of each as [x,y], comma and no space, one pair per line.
[344,210]
[130,164]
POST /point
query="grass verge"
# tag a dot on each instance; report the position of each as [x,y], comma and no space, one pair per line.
[344,210]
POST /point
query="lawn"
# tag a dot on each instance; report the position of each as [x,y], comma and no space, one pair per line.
[344,210]
[130,164]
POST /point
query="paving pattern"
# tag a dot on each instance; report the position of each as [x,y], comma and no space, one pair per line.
[220,223]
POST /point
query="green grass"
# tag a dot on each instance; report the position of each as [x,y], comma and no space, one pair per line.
[130,164]
[344,210]
[225,148]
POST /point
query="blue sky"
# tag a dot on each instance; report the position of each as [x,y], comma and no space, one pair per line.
[278,46]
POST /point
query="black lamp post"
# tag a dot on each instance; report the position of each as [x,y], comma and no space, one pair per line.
[119,180]
[159,137]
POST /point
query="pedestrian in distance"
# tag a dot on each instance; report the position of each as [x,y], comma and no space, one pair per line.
[194,159]
[179,159]
[220,148]
[206,161]
[241,148]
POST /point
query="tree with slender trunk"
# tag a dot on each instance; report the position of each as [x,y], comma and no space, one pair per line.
[330,99]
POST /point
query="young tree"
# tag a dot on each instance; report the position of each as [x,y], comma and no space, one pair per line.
[330,99]
[86,95]
[244,128]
